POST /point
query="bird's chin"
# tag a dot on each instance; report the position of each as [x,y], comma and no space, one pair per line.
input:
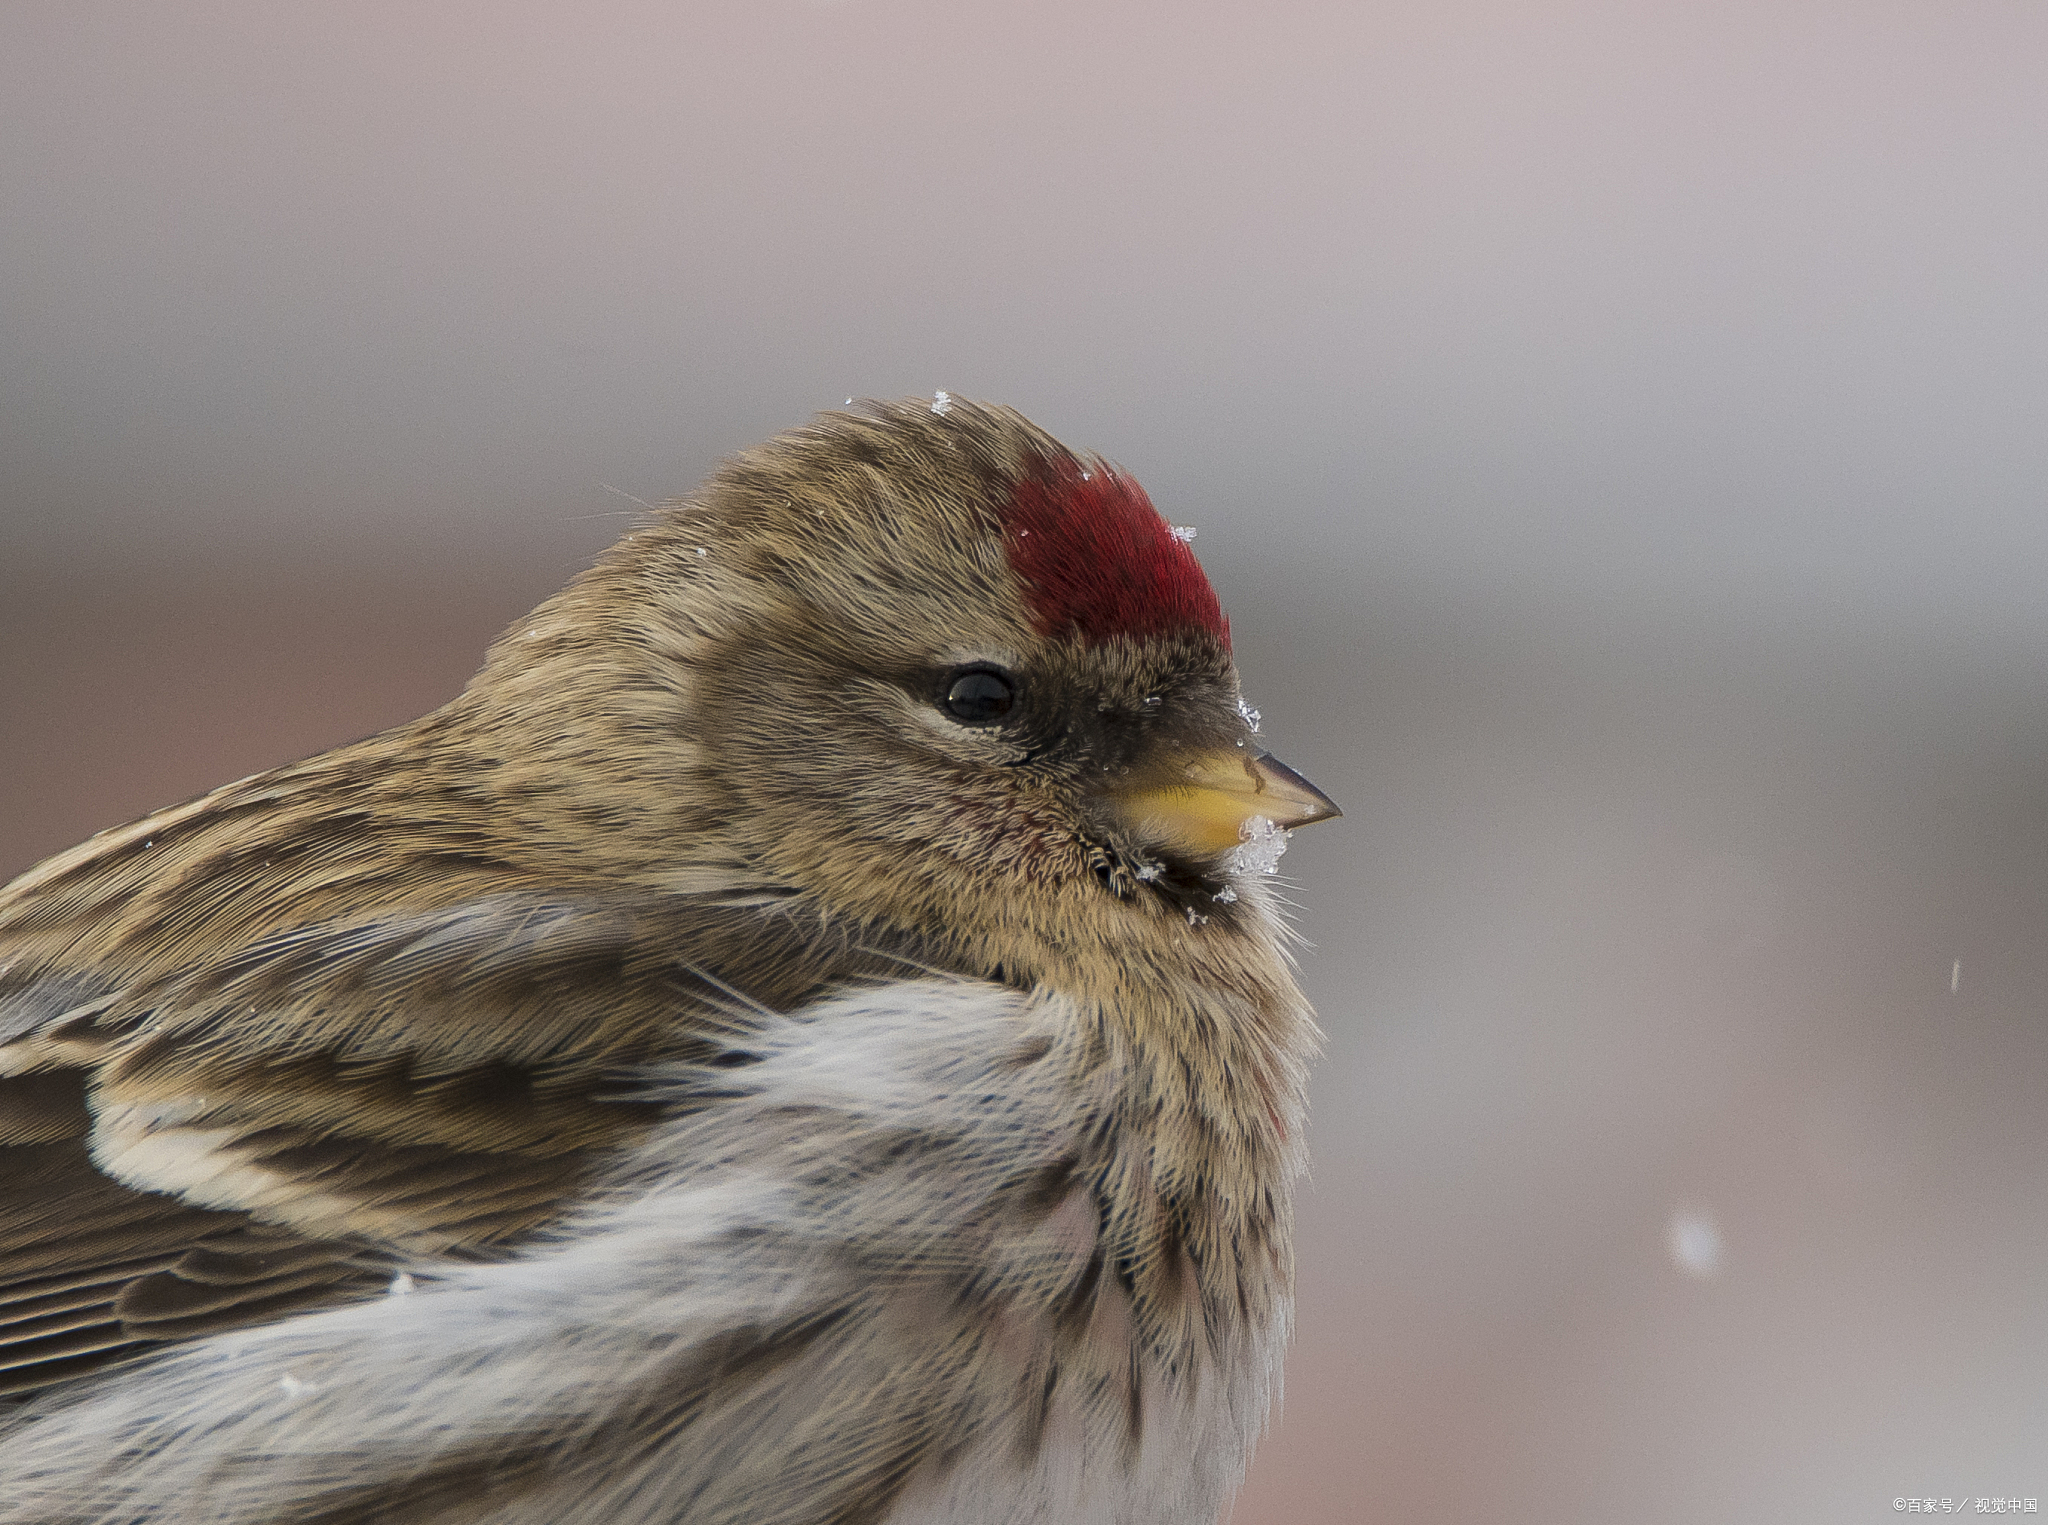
[1166,875]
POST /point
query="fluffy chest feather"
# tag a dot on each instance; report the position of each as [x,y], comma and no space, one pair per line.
[869,1275]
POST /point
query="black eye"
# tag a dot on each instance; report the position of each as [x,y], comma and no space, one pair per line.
[980,696]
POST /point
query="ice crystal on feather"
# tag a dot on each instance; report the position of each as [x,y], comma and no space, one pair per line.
[1259,848]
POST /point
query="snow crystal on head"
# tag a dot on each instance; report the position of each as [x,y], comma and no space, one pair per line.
[1099,561]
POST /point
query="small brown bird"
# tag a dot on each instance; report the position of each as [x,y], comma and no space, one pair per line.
[804,1036]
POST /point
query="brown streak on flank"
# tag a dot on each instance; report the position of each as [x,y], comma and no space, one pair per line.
[1047,1188]
[1134,1409]
[1032,1049]
[1037,1415]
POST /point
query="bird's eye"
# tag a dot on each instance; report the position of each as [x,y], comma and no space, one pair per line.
[980,696]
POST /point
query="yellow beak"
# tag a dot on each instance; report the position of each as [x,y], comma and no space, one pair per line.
[1210,807]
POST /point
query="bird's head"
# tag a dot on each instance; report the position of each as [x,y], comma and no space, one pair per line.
[926,664]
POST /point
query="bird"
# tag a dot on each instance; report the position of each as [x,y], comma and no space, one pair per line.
[808,1034]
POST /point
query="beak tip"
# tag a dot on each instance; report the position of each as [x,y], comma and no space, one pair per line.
[1311,817]
[1311,804]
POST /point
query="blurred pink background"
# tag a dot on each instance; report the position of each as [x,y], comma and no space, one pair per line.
[1616,431]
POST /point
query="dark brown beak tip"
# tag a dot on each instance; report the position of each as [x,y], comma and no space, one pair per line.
[1311,804]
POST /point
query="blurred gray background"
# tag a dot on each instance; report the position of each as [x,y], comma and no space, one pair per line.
[1615,429]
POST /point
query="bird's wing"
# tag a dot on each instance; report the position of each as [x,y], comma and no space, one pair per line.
[840,1270]
[246,1137]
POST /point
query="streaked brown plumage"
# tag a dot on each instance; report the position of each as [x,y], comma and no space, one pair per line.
[419,997]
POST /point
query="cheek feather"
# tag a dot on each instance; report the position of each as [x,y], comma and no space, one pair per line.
[1014,837]
[1099,561]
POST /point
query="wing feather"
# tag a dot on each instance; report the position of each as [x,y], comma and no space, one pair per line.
[228,1142]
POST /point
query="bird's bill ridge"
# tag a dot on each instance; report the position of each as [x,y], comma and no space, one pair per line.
[1210,807]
